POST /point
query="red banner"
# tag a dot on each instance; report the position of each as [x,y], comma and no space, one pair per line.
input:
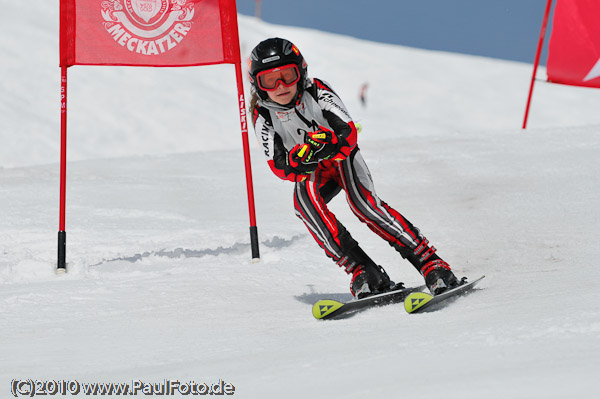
[148,32]
[574,50]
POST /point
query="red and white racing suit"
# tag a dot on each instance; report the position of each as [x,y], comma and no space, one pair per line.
[280,128]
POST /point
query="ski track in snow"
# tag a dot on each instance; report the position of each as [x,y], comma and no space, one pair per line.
[160,283]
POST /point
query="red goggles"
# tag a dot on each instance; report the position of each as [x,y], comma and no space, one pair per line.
[288,75]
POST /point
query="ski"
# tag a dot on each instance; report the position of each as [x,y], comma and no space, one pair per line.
[423,302]
[331,309]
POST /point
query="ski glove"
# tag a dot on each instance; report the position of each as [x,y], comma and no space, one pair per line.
[321,137]
[324,142]
[301,159]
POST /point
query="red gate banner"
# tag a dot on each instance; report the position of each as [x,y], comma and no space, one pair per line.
[574,50]
[160,33]
[148,32]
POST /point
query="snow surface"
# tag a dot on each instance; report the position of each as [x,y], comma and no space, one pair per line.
[160,283]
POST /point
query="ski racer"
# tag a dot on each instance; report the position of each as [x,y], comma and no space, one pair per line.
[309,138]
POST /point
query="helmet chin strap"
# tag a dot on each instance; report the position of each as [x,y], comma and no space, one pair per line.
[294,102]
[297,97]
[299,92]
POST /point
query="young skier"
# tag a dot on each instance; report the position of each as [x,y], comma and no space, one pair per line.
[309,138]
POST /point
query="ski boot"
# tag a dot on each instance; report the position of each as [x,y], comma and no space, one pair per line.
[437,273]
[369,279]
[438,276]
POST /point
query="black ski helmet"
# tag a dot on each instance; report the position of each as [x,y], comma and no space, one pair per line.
[272,53]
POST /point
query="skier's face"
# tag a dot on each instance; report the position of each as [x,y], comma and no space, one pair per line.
[283,95]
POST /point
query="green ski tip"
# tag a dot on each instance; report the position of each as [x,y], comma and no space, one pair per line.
[325,307]
[415,300]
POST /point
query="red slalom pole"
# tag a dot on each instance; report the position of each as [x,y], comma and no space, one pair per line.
[247,163]
[61,264]
[537,60]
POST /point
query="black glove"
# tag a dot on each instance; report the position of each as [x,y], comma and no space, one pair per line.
[323,141]
[321,137]
[301,159]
